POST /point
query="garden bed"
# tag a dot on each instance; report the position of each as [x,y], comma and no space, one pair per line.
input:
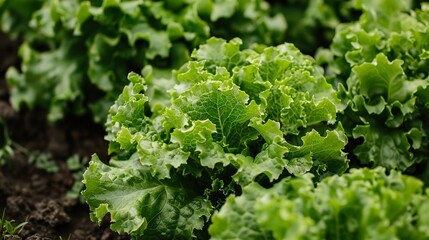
[33,195]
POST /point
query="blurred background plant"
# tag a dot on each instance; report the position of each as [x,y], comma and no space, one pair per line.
[7,228]
[6,151]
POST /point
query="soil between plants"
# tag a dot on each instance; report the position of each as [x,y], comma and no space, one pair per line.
[34,195]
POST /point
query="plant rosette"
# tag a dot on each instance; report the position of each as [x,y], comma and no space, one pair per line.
[234,117]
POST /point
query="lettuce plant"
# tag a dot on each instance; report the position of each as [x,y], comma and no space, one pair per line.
[379,65]
[80,51]
[15,16]
[234,117]
[362,204]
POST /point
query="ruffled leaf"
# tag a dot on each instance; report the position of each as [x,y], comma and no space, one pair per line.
[141,205]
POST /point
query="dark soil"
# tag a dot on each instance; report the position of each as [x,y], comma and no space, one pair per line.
[33,195]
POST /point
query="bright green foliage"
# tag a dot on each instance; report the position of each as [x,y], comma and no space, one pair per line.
[233,117]
[379,65]
[141,204]
[77,53]
[362,204]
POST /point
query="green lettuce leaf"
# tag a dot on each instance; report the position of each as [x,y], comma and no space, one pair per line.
[113,38]
[211,132]
[57,77]
[324,153]
[377,64]
[362,204]
[235,220]
[225,106]
[386,79]
[383,147]
[140,204]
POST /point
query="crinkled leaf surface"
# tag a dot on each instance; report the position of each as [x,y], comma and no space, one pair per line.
[56,77]
[236,218]
[225,106]
[322,153]
[218,138]
[116,37]
[269,161]
[383,146]
[362,204]
[199,133]
[142,205]
[378,65]
[386,79]
[217,52]
[160,157]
